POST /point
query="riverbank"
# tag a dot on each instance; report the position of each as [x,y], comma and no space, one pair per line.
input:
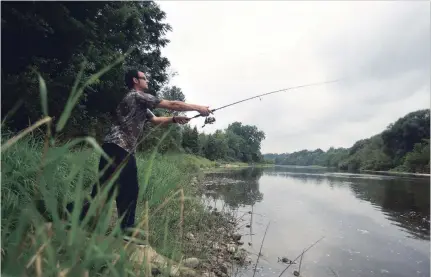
[386,172]
[398,173]
[171,218]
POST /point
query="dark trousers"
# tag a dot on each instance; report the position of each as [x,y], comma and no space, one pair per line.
[126,184]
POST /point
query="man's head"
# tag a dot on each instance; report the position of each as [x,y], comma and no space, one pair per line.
[136,79]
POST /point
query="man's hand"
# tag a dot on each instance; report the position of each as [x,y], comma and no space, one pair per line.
[181,119]
[203,110]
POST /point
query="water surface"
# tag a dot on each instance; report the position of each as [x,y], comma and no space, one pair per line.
[373,225]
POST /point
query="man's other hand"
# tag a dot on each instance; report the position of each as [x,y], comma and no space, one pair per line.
[182,119]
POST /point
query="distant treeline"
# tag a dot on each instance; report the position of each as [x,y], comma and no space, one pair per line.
[402,146]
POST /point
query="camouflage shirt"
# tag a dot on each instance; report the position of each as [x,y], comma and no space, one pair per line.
[130,117]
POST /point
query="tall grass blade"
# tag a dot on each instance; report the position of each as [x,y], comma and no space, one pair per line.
[165,237]
[76,211]
[23,133]
[102,195]
[77,80]
[12,110]
[59,152]
[260,251]
[149,166]
[303,252]
[43,95]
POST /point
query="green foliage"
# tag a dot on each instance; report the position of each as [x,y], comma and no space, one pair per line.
[190,141]
[62,36]
[68,177]
[419,159]
[400,137]
[236,143]
[332,158]
[403,146]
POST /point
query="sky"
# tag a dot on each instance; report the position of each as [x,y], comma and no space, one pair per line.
[225,51]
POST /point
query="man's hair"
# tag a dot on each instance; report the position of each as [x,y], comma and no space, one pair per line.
[128,78]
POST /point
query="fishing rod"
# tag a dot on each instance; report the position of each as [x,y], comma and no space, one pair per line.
[210,120]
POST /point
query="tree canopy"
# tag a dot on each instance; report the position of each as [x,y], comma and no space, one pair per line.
[55,38]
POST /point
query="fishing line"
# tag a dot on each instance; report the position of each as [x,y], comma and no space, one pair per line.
[210,120]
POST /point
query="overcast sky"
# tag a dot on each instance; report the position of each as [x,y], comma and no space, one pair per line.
[225,51]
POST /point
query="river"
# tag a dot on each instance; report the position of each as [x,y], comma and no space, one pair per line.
[372,225]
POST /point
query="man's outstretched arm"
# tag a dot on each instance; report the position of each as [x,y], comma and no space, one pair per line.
[182,106]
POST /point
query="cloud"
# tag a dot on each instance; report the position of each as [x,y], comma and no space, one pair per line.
[225,51]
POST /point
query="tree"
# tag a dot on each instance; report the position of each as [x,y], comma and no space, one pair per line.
[419,159]
[400,138]
[174,94]
[55,38]
[209,148]
[190,140]
[194,138]
[250,149]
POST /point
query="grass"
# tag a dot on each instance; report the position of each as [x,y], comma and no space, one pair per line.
[78,169]
[40,241]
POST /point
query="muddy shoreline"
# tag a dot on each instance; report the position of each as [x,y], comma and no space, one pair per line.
[218,248]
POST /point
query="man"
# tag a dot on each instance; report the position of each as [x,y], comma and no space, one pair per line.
[120,143]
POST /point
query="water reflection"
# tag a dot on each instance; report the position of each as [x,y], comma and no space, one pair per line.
[375,225]
[236,188]
[404,200]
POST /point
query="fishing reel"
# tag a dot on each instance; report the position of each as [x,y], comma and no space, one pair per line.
[209,120]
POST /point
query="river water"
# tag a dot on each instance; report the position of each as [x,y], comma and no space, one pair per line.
[372,225]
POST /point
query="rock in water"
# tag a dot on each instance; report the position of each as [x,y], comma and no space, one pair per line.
[236,236]
[219,273]
[191,262]
[215,212]
[231,248]
[286,260]
[224,268]
[216,246]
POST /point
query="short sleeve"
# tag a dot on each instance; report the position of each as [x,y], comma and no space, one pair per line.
[149,100]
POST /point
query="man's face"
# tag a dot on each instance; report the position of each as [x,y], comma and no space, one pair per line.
[142,81]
